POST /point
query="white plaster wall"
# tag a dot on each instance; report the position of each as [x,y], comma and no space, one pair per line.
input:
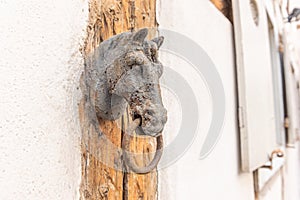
[217,176]
[39,70]
[292,173]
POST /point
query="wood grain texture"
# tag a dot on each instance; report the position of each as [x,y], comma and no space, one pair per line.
[141,187]
[108,18]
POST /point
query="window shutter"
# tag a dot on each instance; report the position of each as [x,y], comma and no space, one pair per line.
[255,83]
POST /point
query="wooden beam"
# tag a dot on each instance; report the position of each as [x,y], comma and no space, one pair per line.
[108,18]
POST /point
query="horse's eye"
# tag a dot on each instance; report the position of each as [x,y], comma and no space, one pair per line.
[134,58]
[139,60]
[149,112]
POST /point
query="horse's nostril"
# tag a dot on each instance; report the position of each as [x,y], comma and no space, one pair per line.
[137,116]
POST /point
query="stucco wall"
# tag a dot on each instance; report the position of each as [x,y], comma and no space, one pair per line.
[39,71]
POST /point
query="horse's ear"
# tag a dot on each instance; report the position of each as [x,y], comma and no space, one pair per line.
[140,35]
[159,41]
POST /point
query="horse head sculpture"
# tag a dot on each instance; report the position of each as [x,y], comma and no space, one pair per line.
[124,71]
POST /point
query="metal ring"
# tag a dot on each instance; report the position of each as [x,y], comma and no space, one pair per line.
[130,161]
